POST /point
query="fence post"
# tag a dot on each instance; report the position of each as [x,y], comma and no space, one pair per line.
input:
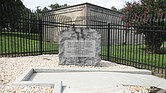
[108,43]
[41,36]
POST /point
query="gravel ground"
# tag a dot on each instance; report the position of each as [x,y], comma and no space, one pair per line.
[137,89]
[11,68]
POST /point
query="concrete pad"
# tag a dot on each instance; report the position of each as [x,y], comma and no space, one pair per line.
[58,87]
[90,80]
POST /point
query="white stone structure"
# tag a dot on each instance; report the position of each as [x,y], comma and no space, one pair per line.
[86,14]
[89,14]
[79,46]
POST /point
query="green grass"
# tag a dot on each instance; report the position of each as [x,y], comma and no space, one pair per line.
[133,54]
[14,42]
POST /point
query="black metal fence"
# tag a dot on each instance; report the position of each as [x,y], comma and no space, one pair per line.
[133,44]
[138,42]
[29,32]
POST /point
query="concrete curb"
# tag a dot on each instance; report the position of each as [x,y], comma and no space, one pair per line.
[23,79]
[53,70]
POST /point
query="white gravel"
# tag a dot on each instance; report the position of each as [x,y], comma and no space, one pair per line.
[11,68]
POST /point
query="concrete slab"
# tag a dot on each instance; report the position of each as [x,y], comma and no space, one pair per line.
[58,87]
[90,80]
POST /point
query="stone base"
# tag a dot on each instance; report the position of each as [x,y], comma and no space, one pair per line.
[80,61]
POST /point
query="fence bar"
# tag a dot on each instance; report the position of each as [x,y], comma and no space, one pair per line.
[108,45]
[41,36]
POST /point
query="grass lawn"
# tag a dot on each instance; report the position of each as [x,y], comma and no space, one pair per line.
[14,42]
[131,54]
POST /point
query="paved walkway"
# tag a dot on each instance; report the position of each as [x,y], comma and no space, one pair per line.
[100,82]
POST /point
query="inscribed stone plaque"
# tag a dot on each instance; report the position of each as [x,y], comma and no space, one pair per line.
[79,46]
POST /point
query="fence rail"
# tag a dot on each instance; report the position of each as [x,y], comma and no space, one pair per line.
[122,41]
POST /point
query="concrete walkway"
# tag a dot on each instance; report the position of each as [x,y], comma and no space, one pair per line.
[99,82]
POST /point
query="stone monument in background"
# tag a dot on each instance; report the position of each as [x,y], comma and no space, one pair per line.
[79,46]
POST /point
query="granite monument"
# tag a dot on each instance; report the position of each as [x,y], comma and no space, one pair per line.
[79,46]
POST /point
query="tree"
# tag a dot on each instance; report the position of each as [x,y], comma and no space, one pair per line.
[147,17]
[56,6]
[45,9]
[38,10]
[114,8]
[10,12]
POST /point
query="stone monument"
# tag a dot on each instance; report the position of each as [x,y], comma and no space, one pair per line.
[79,46]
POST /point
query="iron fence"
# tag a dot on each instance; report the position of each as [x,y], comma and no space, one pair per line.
[138,42]
[29,33]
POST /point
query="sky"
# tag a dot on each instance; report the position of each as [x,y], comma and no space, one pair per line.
[32,4]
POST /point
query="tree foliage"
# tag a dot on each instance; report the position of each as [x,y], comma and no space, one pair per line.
[50,7]
[147,17]
[10,10]
[56,6]
[14,16]
[114,8]
[45,9]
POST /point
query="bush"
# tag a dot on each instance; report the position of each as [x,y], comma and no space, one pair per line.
[147,17]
